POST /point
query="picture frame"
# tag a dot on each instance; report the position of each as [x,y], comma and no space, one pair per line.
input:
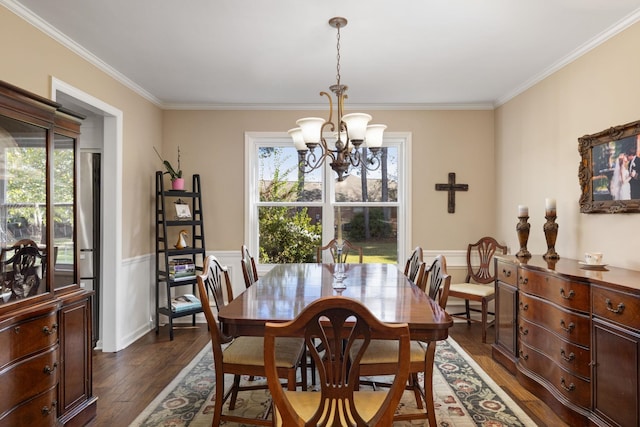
[609,171]
[182,210]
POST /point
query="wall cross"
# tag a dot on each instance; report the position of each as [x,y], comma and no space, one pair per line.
[452,187]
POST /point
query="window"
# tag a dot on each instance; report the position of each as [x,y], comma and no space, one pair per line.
[288,212]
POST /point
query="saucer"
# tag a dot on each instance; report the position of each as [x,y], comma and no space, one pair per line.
[592,266]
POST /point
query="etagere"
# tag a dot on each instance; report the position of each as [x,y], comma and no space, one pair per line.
[169,225]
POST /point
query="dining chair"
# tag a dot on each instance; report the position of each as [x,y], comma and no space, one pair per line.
[380,358]
[23,267]
[347,248]
[242,355]
[249,270]
[479,283]
[338,323]
[415,267]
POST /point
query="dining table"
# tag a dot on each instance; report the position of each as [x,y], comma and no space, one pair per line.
[282,293]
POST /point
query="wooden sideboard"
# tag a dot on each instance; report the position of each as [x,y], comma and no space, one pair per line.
[571,336]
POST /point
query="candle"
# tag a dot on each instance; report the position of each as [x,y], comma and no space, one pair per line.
[339,227]
[550,206]
[523,210]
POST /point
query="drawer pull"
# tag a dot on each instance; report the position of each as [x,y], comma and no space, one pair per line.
[524,356]
[524,280]
[51,331]
[16,329]
[49,370]
[507,273]
[571,294]
[563,384]
[564,356]
[524,331]
[523,306]
[48,410]
[566,328]
[618,310]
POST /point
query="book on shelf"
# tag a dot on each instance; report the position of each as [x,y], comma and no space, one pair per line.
[184,302]
[182,269]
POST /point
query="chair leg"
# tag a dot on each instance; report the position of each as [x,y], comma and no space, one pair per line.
[484,320]
[468,311]
[218,400]
[234,392]
[413,381]
[428,383]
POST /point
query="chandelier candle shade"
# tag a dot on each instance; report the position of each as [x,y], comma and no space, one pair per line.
[352,131]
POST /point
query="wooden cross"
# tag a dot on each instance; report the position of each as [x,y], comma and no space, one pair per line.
[452,187]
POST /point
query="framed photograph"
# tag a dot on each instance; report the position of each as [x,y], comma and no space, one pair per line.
[609,171]
[182,210]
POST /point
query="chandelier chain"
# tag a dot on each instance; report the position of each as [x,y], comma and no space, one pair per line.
[338,55]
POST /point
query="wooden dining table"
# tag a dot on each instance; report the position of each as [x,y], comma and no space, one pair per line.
[282,293]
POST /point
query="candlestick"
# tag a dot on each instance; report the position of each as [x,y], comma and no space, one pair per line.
[550,207]
[523,211]
[551,233]
[522,228]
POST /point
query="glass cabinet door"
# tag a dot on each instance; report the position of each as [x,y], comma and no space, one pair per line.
[63,210]
[23,209]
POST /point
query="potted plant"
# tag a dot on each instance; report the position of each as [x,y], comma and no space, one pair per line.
[177,182]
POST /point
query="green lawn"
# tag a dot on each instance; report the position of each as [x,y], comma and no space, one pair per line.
[376,252]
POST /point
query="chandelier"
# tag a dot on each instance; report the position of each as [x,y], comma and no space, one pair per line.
[351,131]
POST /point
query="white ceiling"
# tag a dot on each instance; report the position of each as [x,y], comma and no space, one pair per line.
[282,53]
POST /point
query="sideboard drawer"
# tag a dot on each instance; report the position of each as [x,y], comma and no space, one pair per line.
[572,357]
[566,293]
[569,325]
[38,412]
[28,378]
[23,338]
[507,272]
[617,307]
[574,388]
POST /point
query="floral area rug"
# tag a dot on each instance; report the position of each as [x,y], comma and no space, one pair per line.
[464,396]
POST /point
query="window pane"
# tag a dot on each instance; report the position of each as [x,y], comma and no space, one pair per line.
[281,181]
[373,228]
[380,185]
[289,234]
[63,200]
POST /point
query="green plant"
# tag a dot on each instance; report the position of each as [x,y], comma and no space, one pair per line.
[173,173]
[378,227]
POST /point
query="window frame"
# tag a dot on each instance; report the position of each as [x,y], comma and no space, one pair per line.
[253,140]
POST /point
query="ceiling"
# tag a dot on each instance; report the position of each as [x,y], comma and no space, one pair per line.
[277,54]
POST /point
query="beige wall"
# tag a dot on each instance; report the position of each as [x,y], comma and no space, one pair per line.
[537,150]
[212,144]
[29,60]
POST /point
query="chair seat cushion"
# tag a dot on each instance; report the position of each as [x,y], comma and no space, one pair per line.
[250,351]
[471,289]
[305,403]
[386,351]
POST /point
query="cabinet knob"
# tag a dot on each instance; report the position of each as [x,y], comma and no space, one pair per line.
[49,370]
[524,280]
[46,410]
[567,358]
[569,296]
[618,310]
[523,356]
[566,328]
[506,273]
[570,387]
[51,331]
[523,306]
[524,331]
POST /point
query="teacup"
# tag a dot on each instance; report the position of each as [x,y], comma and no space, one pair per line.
[593,258]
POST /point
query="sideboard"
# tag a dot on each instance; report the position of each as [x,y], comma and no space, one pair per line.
[571,336]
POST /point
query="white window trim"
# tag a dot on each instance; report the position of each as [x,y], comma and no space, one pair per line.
[254,139]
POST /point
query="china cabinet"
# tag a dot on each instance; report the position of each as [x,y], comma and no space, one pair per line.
[45,316]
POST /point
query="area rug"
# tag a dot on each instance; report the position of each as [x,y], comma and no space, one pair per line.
[464,396]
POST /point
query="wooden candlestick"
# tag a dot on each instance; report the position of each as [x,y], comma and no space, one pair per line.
[523,228]
[551,233]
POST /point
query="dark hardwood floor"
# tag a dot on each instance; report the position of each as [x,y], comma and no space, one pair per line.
[127,381]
